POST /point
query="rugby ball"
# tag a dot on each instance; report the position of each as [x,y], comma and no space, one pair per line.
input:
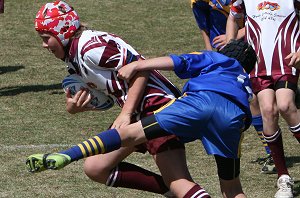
[100,100]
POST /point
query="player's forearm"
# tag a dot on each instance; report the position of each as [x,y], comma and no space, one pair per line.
[231,28]
[206,40]
[136,89]
[241,33]
[160,63]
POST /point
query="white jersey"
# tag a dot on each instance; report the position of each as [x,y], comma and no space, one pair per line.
[96,56]
[272,27]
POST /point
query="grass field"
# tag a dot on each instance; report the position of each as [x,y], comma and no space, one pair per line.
[32,104]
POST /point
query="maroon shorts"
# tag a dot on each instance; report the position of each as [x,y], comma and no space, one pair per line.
[274,82]
[161,144]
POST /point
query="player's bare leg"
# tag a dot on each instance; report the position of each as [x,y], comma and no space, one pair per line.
[98,167]
[289,111]
[268,107]
[175,175]
[273,136]
[257,122]
[109,169]
[171,164]
[232,188]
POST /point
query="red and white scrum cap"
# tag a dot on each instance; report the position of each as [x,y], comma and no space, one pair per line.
[58,18]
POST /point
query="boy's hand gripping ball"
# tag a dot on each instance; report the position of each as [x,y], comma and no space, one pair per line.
[100,100]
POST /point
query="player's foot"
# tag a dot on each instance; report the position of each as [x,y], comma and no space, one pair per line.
[260,160]
[41,162]
[285,187]
[268,166]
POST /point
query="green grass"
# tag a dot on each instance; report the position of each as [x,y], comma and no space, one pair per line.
[32,103]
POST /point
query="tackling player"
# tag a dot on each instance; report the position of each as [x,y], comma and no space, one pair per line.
[96,57]
[214,109]
[273,29]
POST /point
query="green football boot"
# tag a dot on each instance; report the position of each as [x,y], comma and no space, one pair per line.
[41,162]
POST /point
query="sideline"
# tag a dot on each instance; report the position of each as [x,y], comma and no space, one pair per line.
[41,146]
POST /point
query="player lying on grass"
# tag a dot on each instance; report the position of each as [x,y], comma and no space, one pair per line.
[214,109]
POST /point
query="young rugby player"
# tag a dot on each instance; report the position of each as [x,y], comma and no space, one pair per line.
[96,57]
[273,29]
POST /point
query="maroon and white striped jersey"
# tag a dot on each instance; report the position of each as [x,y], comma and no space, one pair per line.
[272,27]
[96,56]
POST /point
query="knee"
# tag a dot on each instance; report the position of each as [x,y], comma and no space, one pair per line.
[286,108]
[269,112]
[95,171]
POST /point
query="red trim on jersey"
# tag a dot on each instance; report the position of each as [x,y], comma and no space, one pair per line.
[73,48]
[111,54]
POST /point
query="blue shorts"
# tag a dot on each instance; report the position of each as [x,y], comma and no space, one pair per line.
[207,116]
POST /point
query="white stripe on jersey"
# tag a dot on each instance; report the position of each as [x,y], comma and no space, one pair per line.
[123,97]
[257,34]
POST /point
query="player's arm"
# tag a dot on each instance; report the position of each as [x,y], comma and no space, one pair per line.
[184,65]
[135,93]
[206,40]
[160,63]
[231,28]
[241,33]
[236,16]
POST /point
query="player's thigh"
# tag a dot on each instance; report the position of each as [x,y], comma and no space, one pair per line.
[267,101]
[174,170]
[172,164]
[132,134]
[254,106]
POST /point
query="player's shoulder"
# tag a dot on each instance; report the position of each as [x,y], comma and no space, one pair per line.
[91,36]
[217,57]
[204,56]
[89,41]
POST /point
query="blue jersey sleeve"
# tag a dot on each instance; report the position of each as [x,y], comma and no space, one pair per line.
[190,65]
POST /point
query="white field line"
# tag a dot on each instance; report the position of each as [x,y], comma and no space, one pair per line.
[40,146]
